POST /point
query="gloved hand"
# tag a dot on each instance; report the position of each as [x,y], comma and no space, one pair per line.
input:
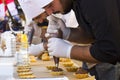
[55,24]
[36,49]
[59,47]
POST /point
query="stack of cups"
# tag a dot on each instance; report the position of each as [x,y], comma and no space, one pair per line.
[10,45]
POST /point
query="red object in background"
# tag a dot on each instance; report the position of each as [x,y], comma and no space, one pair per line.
[6,2]
[0,1]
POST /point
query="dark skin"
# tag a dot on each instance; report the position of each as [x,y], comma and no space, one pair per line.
[82,50]
[84,37]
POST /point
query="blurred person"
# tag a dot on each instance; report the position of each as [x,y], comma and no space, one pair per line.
[32,9]
[39,48]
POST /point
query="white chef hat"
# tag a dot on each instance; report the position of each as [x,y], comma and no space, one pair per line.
[71,20]
[33,8]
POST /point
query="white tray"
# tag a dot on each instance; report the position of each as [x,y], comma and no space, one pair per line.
[62,78]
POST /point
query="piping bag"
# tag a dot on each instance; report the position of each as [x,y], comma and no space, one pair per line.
[30,35]
[56,59]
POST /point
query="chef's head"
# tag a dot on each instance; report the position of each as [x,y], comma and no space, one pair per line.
[58,6]
[33,8]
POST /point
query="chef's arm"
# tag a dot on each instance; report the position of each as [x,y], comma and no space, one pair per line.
[82,53]
[80,36]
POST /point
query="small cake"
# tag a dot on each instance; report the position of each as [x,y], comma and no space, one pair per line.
[50,67]
[81,73]
[40,56]
[72,69]
[45,57]
[68,64]
[57,71]
[32,59]
[25,73]
[65,60]
[23,70]
[27,76]
[23,67]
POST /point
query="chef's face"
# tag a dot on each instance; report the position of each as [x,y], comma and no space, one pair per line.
[40,18]
[58,6]
[43,34]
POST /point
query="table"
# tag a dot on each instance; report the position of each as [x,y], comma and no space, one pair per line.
[6,67]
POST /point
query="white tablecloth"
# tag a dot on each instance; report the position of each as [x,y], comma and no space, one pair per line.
[6,68]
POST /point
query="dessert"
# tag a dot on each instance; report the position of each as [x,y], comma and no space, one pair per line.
[65,60]
[45,57]
[50,67]
[18,41]
[25,73]
[23,67]
[68,64]
[81,73]
[57,71]
[27,76]
[32,58]
[23,70]
[72,69]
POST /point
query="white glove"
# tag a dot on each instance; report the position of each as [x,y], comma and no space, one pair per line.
[55,24]
[36,49]
[59,47]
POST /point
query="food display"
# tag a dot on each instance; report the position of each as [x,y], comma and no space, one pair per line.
[25,72]
[67,67]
